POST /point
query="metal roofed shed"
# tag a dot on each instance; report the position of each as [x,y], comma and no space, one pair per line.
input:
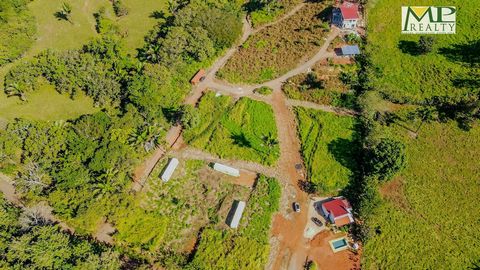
[226,169]
[350,50]
[168,171]
[235,214]
[198,77]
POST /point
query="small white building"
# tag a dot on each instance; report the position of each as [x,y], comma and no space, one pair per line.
[226,169]
[168,171]
[237,209]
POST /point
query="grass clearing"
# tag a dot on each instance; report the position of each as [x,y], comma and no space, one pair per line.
[195,197]
[328,147]
[62,35]
[324,87]
[243,130]
[280,47]
[45,104]
[408,77]
[246,247]
[430,207]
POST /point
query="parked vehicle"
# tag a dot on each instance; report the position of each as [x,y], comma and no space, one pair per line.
[317,222]
[296,207]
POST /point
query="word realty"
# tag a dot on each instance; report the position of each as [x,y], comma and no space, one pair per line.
[428,20]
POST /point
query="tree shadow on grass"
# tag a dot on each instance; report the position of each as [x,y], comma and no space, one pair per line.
[325,14]
[343,151]
[467,53]
[241,140]
[409,47]
[173,115]
[158,15]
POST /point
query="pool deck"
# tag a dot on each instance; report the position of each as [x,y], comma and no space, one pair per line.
[324,256]
[335,250]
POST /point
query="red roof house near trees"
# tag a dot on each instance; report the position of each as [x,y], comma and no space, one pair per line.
[346,15]
[338,211]
[349,11]
[198,77]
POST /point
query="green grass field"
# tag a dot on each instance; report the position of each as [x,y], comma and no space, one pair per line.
[62,35]
[411,78]
[45,104]
[328,147]
[245,130]
[430,216]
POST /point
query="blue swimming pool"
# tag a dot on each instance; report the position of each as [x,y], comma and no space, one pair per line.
[340,243]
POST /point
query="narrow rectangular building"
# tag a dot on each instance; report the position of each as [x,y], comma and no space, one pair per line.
[226,169]
[236,214]
[168,171]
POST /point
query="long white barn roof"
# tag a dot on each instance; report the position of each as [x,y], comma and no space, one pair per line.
[171,166]
[226,169]
[240,206]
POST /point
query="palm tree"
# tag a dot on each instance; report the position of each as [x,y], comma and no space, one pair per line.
[148,137]
[65,12]
[270,140]
[107,184]
[14,89]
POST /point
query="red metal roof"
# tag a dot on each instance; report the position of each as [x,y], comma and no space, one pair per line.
[349,11]
[337,207]
[198,76]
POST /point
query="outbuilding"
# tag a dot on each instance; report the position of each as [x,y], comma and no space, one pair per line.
[235,214]
[350,50]
[198,77]
[226,169]
[169,169]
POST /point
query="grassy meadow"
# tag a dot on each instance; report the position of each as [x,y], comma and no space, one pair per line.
[328,148]
[45,104]
[429,218]
[408,77]
[279,47]
[62,35]
[243,130]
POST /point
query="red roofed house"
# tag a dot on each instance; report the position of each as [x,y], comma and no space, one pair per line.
[346,15]
[338,211]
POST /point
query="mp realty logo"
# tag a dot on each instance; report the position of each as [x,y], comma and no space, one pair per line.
[428,20]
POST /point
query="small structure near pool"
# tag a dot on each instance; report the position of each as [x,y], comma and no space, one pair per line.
[235,214]
[168,171]
[226,169]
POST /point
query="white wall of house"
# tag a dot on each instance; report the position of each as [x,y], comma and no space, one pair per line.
[350,24]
